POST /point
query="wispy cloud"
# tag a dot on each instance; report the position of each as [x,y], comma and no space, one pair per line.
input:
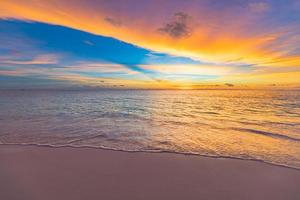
[11,73]
[45,59]
[229,39]
[113,21]
[96,67]
[205,69]
[178,27]
[259,7]
[222,31]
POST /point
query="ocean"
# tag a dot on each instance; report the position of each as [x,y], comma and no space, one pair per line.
[244,124]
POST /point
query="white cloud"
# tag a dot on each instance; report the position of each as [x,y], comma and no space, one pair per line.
[99,67]
[259,7]
[43,59]
[191,69]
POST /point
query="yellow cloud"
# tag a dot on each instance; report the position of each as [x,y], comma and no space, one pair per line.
[261,79]
[220,37]
[188,69]
[211,41]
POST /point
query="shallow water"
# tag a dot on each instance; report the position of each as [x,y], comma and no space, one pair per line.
[246,124]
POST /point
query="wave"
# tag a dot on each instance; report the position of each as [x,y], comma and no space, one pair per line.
[83,139]
[270,134]
[153,151]
[122,115]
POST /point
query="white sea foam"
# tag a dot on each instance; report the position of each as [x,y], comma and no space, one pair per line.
[245,124]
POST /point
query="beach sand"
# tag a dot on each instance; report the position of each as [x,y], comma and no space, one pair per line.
[45,173]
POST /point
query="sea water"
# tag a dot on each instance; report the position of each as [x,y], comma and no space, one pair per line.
[246,124]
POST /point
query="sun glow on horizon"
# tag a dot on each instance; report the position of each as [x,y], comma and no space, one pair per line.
[122,44]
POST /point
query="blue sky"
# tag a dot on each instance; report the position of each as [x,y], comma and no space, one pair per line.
[62,47]
[149,44]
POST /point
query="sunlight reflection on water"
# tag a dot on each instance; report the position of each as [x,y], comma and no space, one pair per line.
[250,124]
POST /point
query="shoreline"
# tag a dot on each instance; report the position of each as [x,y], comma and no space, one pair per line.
[151,152]
[63,173]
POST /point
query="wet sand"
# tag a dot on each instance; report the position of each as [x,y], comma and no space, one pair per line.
[45,173]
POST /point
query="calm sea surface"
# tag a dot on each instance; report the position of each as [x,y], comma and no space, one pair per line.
[246,124]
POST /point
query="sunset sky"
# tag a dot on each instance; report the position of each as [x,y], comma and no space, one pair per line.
[149,43]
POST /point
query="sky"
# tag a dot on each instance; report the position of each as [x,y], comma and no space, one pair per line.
[161,44]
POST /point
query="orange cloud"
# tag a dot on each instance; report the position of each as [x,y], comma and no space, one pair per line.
[233,35]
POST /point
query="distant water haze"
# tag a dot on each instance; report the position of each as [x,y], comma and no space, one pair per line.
[244,124]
